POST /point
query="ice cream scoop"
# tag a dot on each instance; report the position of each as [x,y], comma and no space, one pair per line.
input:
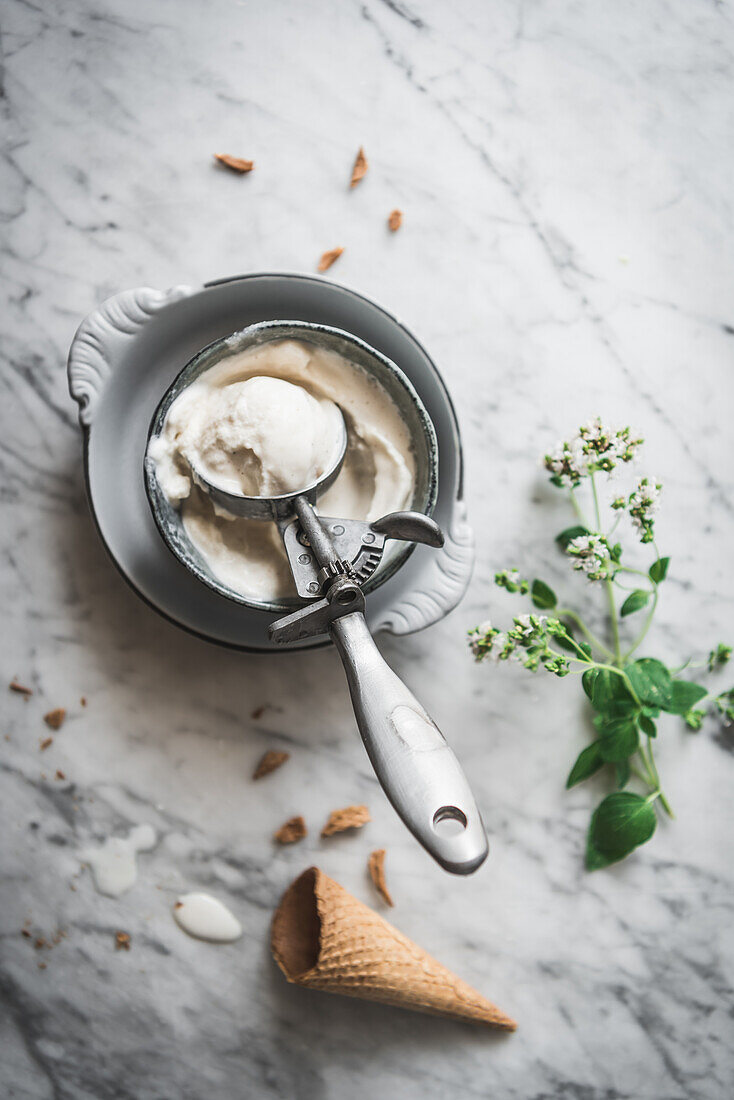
[262,436]
[332,560]
[328,556]
[282,504]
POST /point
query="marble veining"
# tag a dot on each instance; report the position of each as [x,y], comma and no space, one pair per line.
[565,176]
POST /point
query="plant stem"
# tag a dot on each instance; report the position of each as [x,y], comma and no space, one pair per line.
[613,619]
[638,572]
[650,778]
[566,612]
[625,677]
[608,584]
[577,509]
[656,779]
[595,495]
[648,621]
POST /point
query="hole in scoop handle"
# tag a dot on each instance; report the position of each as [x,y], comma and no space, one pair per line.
[416,768]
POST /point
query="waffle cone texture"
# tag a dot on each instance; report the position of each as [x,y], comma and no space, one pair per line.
[323,938]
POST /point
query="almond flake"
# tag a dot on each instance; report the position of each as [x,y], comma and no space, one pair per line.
[60,774]
[43,745]
[237,164]
[83,701]
[376,868]
[269,762]
[19,689]
[55,718]
[293,830]
[360,168]
[395,220]
[329,258]
[122,941]
[351,817]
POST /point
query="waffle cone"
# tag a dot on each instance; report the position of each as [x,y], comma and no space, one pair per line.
[323,938]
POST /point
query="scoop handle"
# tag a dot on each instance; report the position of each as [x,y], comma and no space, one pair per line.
[416,768]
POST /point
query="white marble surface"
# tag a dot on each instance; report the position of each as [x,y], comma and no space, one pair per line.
[565,172]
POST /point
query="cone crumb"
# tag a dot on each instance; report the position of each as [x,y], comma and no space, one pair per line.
[270,762]
[293,830]
[45,744]
[235,164]
[351,817]
[359,171]
[122,941]
[329,258]
[376,868]
[55,718]
[395,220]
[19,689]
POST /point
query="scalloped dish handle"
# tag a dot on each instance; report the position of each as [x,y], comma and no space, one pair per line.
[443,581]
[99,335]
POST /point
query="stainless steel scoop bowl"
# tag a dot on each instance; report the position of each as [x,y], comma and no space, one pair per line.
[279,507]
[330,558]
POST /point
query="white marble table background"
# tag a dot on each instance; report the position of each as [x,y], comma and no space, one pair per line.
[565,171]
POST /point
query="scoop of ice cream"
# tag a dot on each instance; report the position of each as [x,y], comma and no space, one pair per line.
[261,437]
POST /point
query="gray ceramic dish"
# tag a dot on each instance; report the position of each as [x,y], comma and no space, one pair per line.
[126,354]
[381,369]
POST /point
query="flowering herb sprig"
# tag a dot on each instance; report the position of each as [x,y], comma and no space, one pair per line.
[627,693]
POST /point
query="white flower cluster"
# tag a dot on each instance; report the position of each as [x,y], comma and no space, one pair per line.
[512,581]
[502,645]
[643,504]
[487,641]
[526,642]
[594,447]
[591,556]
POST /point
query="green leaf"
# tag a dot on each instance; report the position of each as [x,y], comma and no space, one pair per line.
[619,824]
[651,681]
[571,533]
[622,773]
[635,601]
[542,596]
[619,738]
[610,694]
[588,761]
[647,726]
[587,681]
[659,570]
[685,696]
[595,861]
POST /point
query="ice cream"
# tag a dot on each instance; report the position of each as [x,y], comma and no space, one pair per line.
[263,422]
[259,437]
